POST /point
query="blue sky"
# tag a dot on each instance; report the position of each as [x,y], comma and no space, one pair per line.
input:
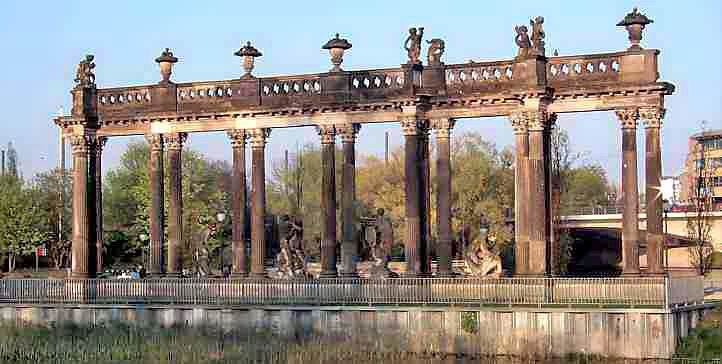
[43,41]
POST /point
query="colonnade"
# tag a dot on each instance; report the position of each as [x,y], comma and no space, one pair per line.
[536,253]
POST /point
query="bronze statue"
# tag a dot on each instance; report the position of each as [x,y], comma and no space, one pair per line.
[537,35]
[522,41]
[84,75]
[413,45]
[436,50]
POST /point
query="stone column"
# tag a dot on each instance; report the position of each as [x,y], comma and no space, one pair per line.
[349,247]
[155,265]
[539,195]
[412,130]
[443,195]
[238,203]
[521,193]
[653,165]
[83,206]
[174,146]
[328,201]
[630,192]
[425,202]
[99,144]
[258,204]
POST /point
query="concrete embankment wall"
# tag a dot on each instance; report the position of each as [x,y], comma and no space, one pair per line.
[627,333]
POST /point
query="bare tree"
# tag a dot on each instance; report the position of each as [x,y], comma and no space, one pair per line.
[698,220]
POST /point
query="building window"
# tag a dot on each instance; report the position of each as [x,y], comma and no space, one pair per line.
[712,144]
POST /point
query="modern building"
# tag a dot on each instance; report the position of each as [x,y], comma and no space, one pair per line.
[704,160]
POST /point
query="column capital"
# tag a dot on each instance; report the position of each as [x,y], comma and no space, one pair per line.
[540,120]
[627,117]
[652,116]
[258,137]
[348,131]
[155,141]
[238,137]
[442,126]
[520,122]
[413,126]
[175,141]
[327,133]
[82,143]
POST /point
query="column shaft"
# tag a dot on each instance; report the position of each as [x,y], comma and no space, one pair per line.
[443,195]
[92,209]
[100,143]
[156,209]
[349,248]
[412,187]
[174,145]
[81,222]
[653,175]
[630,193]
[521,195]
[328,202]
[258,205]
[424,203]
[539,203]
[238,203]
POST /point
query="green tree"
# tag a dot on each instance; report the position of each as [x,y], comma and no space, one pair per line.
[53,187]
[22,228]
[127,198]
[482,190]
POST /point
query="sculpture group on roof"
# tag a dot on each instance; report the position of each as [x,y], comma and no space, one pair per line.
[84,76]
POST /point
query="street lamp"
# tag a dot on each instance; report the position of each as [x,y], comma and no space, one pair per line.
[220,217]
[143,238]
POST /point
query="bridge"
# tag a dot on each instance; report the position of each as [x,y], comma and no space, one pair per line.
[600,230]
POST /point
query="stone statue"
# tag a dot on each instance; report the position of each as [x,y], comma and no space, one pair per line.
[291,260]
[522,41]
[381,247]
[436,50]
[84,75]
[537,35]
[413,45]
[480,262]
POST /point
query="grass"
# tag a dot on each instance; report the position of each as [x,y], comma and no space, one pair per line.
[120,343]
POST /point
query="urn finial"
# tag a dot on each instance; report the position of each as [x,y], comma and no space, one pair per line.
[248,52]
[635,23]
[336,47]
[166,61]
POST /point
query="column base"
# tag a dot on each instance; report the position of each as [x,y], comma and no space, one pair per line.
[173,275]
[239,275]
[447,275]
[328,274]
[258,275]
[156,275]
[631,274]
[77,275]
[349,275]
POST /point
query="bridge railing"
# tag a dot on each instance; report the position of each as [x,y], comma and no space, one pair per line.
[641,291]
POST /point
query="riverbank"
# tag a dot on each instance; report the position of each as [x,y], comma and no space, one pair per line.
[119,343]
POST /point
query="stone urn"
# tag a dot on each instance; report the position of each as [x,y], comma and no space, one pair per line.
[249,53]
[635,22]
[336,47]
[166,61]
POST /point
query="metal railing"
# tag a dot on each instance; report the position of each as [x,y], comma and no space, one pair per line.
[663,292]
